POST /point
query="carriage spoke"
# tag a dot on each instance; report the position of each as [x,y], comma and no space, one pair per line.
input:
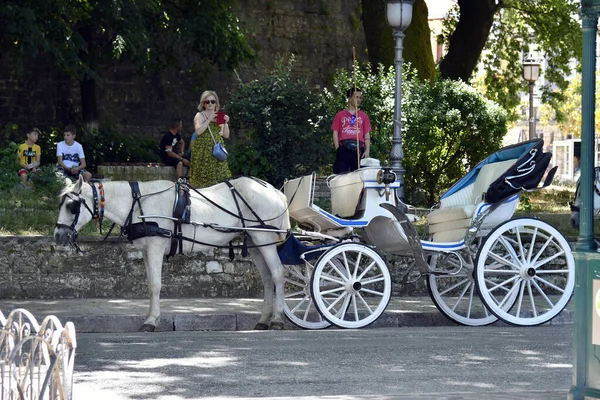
[501,285]
[356,316]
[356,265]
[510,249]
[520,299]
[462,294]
[547,260]
[340,297]
[329,278]
[532,244]
[451,288]
[543,294]
[543,249]
[370,267]
[365,303]
[346,266]
[336,269]
[520,245]
[372,292]
[550,284]
[501,261]
[330,291]
[342,311]
[294,294]
[300,303]
[374,279]
[533,308]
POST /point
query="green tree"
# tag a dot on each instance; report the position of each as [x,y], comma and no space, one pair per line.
[450,127]
[498,33]
[279,128]
[150,34]
[570,109]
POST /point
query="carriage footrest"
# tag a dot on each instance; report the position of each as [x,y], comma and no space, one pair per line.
[137,231]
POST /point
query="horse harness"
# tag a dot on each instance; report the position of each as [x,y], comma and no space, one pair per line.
[596,190]
[182,215]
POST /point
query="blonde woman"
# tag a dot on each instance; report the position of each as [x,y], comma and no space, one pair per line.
[205,169]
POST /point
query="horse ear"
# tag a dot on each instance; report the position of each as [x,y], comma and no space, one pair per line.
[78,184]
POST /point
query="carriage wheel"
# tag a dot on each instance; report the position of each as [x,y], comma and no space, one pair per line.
[351,285]
[298,305]
[529,259]
[456,295]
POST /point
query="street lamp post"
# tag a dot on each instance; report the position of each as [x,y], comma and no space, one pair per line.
[531,72]
[398,15]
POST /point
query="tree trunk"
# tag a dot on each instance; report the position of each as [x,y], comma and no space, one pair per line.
[468,39]
[89,105]
[380,38]
[378,34]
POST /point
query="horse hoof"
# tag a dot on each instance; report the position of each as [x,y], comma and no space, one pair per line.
[276,326]
[261,327]
[147,328]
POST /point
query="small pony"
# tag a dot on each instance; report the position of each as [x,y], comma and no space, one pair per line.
[215,216]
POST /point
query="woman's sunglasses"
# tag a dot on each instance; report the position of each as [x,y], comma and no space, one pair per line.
[210,102]
[353,120]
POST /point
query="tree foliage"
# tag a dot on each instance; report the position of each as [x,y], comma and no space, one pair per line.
[150,34]
[280,128]
[570,109]
[500,34]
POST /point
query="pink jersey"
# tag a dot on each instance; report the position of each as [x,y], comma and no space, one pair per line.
[346,125]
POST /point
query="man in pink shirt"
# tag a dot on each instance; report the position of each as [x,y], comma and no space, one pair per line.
[347,125]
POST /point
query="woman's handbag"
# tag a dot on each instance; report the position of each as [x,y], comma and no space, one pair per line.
[219,150]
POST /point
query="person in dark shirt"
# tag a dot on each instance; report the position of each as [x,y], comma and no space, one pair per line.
[172,148]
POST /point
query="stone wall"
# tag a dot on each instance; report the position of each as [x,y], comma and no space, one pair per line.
[33,267]
[319,33]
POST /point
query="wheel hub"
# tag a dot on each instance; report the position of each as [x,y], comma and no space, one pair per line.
[528,272]
[353,286]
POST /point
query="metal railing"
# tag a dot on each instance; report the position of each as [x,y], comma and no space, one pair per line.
[36,360]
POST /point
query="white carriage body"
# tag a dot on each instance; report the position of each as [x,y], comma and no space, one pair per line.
[355,199]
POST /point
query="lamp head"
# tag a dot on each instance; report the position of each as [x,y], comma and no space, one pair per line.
[531,71]
[399,13]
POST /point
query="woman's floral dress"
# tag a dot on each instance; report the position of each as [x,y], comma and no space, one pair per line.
[205,169]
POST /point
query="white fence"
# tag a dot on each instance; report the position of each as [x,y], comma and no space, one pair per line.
[36,360]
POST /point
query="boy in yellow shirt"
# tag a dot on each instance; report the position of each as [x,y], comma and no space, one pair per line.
[29,155]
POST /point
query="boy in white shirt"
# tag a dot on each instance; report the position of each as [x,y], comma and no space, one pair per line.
[71,159]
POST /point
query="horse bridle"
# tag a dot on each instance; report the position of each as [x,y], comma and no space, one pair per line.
[75,209]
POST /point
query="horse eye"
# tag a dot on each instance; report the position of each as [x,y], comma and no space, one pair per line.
[74,207]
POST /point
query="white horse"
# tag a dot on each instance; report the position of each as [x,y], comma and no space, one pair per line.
[575,204]
[218,214]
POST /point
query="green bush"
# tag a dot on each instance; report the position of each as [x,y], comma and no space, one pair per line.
[280,129]
[450,127]
[447,126]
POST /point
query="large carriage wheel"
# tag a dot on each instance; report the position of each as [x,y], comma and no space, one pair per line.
[298,305]
[455,295]
[351,285]
[528,258]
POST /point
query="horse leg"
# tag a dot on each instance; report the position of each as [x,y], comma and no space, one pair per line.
[153,260]
[276,298]
[265,276]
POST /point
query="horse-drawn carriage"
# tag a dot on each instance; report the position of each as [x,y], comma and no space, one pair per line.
[480,264]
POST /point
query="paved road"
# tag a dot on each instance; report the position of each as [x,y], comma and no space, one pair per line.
[387,363]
